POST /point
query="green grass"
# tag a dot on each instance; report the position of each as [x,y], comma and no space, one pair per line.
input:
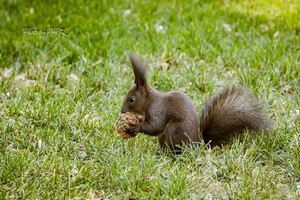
[61,94]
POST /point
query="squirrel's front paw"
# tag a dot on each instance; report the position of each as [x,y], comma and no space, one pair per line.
[133,129]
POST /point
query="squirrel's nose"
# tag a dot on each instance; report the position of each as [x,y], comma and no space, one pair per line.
[123,110]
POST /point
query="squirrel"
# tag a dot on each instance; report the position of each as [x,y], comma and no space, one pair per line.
[173,119]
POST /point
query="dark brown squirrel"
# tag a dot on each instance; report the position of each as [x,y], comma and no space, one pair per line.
[172,117]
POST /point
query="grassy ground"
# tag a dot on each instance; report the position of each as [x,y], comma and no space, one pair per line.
[64,72]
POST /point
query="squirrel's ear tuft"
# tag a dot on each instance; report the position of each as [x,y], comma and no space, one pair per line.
[139,69]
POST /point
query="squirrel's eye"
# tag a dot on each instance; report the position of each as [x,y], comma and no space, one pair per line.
[131,99]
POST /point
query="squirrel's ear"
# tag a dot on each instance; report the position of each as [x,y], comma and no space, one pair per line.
[139,69]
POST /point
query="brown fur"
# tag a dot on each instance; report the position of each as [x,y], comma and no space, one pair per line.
[172,117]
[230,113]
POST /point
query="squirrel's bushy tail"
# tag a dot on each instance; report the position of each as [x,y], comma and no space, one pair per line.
[232,112]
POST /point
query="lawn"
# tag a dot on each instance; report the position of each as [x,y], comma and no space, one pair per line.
[64,73]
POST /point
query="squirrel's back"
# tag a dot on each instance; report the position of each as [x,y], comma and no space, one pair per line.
[230,113]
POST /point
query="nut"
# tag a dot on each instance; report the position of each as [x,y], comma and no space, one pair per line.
[125,121]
